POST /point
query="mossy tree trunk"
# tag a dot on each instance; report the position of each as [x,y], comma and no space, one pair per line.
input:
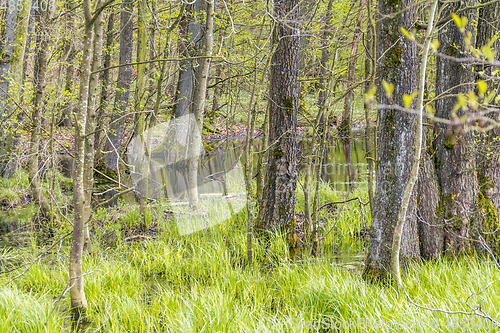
[455,155]
[115,134]
[489,142]
[278,204]
[396,133]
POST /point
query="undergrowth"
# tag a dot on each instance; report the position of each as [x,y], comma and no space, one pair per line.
[201,282]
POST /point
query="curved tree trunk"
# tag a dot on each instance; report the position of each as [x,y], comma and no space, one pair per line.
[278,204]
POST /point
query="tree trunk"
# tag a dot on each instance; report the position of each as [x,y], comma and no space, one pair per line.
[43,33]
[324,55]
[278,204]
[117,125]
[140,91]
[11,80]
[199,103]
[488,143]
[415,165]
[455,154]
[90,129]
[103,103]
[77,292]
[396,133]
[189,44]
[345,125]
[69,49]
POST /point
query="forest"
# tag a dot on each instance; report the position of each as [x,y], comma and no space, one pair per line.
[249,166]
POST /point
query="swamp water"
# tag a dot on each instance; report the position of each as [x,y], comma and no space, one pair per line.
[220,188]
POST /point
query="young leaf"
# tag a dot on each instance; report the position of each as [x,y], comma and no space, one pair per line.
[388,88]
[435,44]
[482,87]
[407,34]
[457,20]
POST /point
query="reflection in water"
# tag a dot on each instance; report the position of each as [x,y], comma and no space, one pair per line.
[344,162]
[162,167]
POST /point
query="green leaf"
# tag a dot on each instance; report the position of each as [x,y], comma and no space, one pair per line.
[464,21]
[370,94]
[407,34]
[461,102]
[482,87]
[430,109]
[435,44]
[457,20]
[407,99]
[488,53]
[388,88]
[490,97]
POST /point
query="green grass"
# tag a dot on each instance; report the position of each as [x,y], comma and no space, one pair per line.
[201,282]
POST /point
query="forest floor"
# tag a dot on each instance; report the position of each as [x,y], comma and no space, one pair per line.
[146,277]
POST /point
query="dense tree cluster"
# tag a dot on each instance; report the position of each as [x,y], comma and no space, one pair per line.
[106,71]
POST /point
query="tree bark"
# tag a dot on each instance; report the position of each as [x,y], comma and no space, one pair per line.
[140,91]
[117,125]
[37,116]
[11,80]
[189,44]
[488,147]
[90,129]
[454,149]
[199,104]
[103,103]
[396,132]
[77,292]
[415,165]
[69,49]
[488,143]
[345,125]
[278,204]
